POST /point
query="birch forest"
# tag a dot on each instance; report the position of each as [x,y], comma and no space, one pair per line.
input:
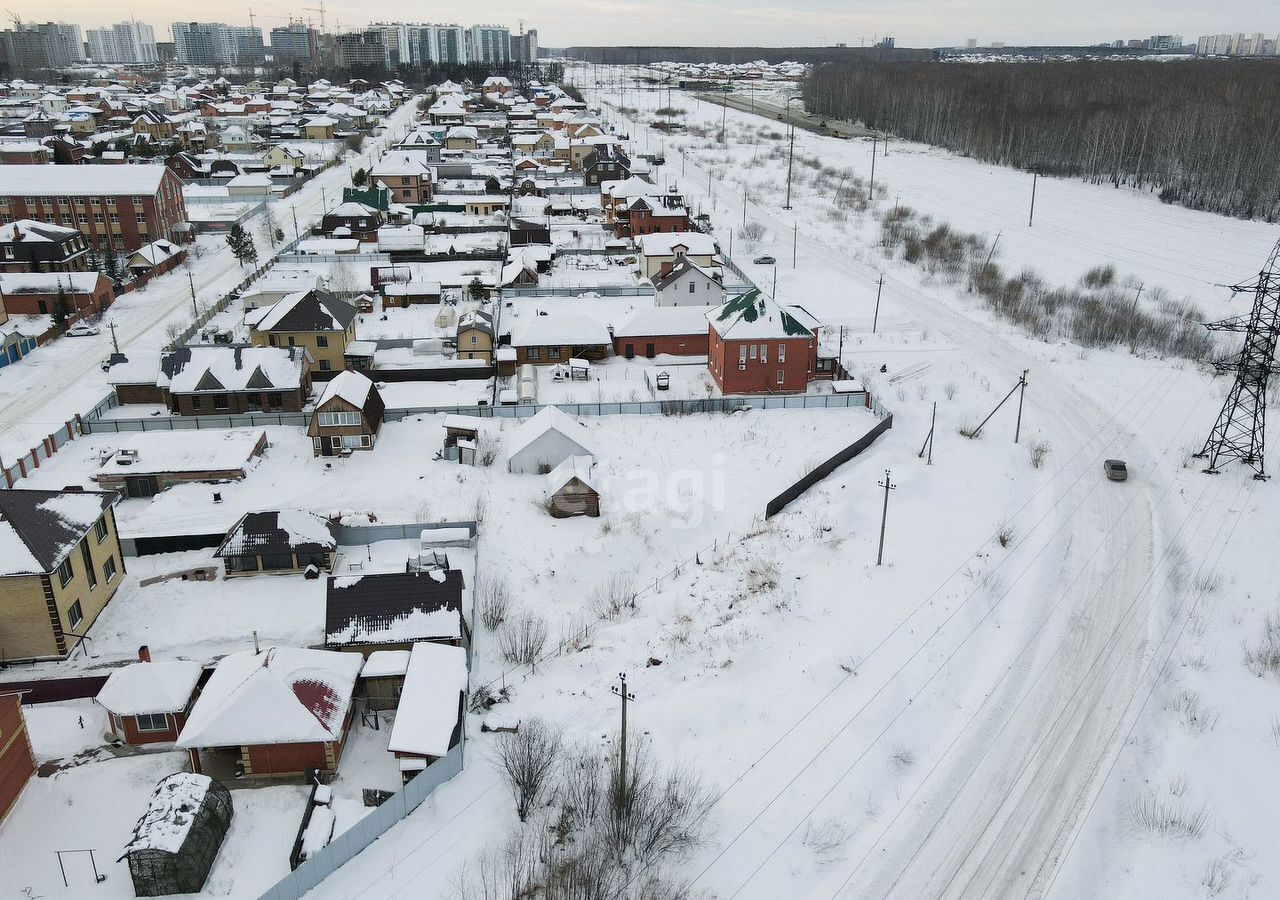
[1202,133]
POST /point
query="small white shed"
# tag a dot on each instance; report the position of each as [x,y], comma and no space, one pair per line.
[544,441]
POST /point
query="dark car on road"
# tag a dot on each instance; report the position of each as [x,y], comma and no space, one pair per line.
[1116,469]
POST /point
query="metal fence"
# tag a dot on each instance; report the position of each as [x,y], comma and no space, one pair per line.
[355,839]
[25,464]
[604,290]
[821,471]
[854,400]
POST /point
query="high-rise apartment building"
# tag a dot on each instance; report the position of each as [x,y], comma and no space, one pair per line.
[489,44]
[125,42]
[30,46]
[524,47]
[295,42]
[362,48]
[217,44]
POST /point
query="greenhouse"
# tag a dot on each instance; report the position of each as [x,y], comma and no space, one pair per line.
[177,839]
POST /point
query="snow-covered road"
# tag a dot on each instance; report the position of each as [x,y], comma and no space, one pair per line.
[49,387]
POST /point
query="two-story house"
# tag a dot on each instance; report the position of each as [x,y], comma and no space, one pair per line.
[31,246]
[60,564]
[315,320]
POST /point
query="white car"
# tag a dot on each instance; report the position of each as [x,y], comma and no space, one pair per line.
[83,329]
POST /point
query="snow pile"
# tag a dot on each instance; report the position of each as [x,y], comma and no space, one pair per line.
[319,831]
[77,510]
[304,527]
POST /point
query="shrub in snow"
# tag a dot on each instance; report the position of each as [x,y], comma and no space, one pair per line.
[527,760]
[494,596]
[522,638]
[1167,819]
[1263,656]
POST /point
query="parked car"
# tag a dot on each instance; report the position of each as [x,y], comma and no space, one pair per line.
[1116,469]
[83,329]
[765,261]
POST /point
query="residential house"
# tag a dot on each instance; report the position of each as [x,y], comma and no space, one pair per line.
[154,259]
[284,542]
[394,610]
[659,249]
[284,156]
[663,331]
[545,440]
[279,711]
[348,415]
[429,716]
[648,215]
[120,207]
[474,336]
[604,163]
[421,144]
[17,759]
[148,462]
[315,320]
[408,177]
[758,346]
[319,128]
[38,293]
[155,125]
[547,340]
[61,564]
[251,186]
[279,282]
[204,381]
[25,153]
[353,219]
[30,246]
[685,283]
[148,702]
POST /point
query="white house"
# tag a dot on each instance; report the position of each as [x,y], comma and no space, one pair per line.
[656,249]
[544,441]
[688,284]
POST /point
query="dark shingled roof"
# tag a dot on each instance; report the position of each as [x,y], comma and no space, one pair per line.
[47,535]
[260,533]
[374,603]
[315,310]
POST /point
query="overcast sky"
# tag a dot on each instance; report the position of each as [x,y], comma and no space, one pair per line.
[915,23]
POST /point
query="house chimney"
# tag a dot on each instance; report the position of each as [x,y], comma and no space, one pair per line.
[144,653]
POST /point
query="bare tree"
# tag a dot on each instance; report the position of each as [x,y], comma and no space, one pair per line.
[528,759]
[494,595]
[522,638]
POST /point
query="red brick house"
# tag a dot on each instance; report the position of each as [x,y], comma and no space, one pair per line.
[663,331]
[279,711]
[36,293]
[17,761]
[122,207]
[758,346]
[646,215]
[148,702]
[406,175]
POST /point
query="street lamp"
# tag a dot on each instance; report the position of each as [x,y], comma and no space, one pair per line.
[791,149]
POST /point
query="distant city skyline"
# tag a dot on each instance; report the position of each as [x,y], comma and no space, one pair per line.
[914,23]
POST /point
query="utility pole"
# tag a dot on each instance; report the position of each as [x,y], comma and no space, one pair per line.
[775,282]
[884,515]
[744,204]
[871,188]
[795,238]
[875,319]
[1035,177]
[114,343]
[296,236]
[992,251]
[1022,392]
[192,281]
[791,151]
[626,697]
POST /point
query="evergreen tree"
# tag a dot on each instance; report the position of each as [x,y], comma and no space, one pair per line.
[359,177]
[237,239]
[61,308]
[111,267]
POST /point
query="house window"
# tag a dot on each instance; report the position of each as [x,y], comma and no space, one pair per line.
[473,339]
[241,563]
[140,218]
[324,365]
[65,572]
[322,340]
[197,402]
[764,354]
[152,722]
[753,351]
[271,339]
[534,353]
[338,419]
[75,615]
[277,561]
[221,401]
[782,376]
[692,287]
[97,218]
[782,353]
[292,341]
[109,569]
[115,218]
[84,219]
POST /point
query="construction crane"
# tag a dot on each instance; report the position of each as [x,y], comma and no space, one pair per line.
[319,9]
[15,18]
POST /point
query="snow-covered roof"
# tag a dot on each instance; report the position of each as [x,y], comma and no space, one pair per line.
[150,687]
[572,329]
[664,243]
[310,310]
[156,252]
[578,467]
[35,231]
[277,532]
[385,664]
[546,420]
[281,695]
[39,528]
[353,387]
[431,700]
[190,370]
[48,282]
[665,320]
[752,316]
[170,813]
[97,180]
[156,452]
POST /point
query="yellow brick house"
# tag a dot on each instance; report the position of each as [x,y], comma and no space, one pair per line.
[315,319]
[60,564]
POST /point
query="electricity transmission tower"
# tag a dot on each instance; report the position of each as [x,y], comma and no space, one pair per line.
[1240,431]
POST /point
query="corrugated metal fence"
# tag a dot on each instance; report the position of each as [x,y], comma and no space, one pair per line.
[821,471]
